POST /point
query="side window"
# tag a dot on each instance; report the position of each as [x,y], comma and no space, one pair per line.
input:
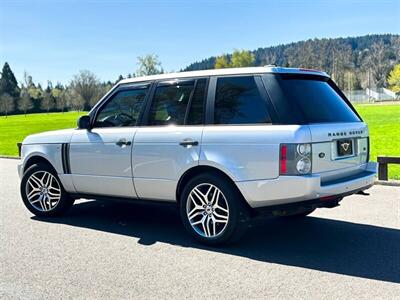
[123,109]
[169,104]
[238,101]
[196,110]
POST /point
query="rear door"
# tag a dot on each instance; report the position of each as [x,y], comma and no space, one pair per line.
[168,142]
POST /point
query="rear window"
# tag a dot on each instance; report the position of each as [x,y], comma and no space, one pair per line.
[317,100]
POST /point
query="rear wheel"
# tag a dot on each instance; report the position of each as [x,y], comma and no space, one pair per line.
[42,192]
[212,210]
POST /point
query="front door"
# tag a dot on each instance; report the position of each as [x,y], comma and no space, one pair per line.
[169,141]
[100,159]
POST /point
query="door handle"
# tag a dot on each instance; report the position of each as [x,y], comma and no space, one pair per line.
[188,142]
[123,142]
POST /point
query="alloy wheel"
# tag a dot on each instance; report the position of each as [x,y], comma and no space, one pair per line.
[207,210]
[43,191]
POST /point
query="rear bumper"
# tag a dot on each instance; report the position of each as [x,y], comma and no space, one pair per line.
[291,189]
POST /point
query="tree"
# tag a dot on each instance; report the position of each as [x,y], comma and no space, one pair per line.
[85,87]
[149,65]
[25,101]
[221,62]
[6,104]
[48,100]
[58,94]
[394,79]
[377,64]
[62,100]
[239,59]
[242,58]
[8,84]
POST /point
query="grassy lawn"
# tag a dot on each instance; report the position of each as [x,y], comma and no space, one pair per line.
[15,128]
[383,121]
[384,126]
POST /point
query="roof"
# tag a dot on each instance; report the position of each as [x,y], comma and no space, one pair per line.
[227,71]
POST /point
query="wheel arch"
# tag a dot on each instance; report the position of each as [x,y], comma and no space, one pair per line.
[201,169]
[34,159]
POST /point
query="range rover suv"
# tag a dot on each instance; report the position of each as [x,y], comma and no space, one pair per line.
[225,145]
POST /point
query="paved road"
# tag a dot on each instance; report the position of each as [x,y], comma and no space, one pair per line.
[119,250]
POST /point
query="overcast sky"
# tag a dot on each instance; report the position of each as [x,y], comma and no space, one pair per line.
[55,39]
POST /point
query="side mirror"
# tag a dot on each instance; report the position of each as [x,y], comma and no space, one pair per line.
[84,122]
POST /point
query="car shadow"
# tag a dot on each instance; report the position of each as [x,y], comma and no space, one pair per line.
[334,246]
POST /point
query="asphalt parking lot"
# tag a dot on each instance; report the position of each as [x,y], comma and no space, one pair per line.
[119,250]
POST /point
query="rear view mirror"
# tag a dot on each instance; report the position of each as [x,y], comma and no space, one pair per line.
[84,122]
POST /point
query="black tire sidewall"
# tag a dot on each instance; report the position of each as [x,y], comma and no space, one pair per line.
[65,201]
[237,211]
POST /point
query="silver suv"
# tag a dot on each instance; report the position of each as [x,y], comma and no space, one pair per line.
[225,145]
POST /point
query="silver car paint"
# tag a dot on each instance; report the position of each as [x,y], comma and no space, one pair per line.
[159,160]
[99,165]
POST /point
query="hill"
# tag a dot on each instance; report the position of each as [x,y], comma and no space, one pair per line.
[353,62]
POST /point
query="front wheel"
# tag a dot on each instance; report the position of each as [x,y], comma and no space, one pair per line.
[42,192]
[212,210]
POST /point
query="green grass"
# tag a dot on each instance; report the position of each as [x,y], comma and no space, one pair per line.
[15,128]
[383,121]
[384,127]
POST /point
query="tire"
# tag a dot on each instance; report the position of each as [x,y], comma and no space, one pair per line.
[223,219]
[302,213]
[43,193]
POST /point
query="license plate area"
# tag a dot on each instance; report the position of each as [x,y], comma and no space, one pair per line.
[345,148]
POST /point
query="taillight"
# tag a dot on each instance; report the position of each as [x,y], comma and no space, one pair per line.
[295,159]
[283,159]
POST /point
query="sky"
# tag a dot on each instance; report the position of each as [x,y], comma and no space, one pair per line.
[53,40]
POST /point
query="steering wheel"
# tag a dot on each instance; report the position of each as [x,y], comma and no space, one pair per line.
[123,118]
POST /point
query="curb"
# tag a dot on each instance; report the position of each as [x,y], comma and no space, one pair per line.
[9,157]
[387,183]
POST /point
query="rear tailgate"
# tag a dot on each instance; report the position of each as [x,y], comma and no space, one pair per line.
[339,136]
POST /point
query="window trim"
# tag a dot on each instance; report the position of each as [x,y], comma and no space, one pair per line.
[144,121]
[205,96]
[212,91]
[123,87]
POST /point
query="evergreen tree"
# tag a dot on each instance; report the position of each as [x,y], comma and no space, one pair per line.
[9,85]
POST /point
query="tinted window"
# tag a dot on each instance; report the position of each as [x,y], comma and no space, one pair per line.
[196,111]
[318,101]
[170,103]
[122,110]
[238,101]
